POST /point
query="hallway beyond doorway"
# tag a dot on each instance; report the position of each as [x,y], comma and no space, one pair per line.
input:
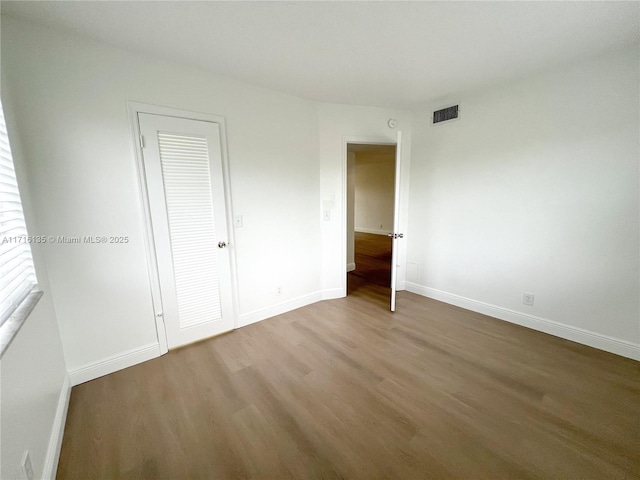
[373,264]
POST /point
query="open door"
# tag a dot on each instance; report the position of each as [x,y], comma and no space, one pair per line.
[396,236]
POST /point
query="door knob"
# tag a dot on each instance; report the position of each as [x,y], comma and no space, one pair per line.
[222,244]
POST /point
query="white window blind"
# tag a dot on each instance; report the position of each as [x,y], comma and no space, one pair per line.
[17,275]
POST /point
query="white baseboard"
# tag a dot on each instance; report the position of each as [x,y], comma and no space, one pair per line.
[333,293]
[278,309]
[114,363]
[371,230]
[57,431]
[351,267]
[284,307]
[568,332]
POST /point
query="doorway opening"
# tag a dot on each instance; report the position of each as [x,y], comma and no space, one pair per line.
[371,174]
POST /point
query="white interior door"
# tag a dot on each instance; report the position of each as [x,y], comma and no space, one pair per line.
[396,235]
[185,183]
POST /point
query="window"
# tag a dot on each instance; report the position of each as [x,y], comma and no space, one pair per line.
[17,274]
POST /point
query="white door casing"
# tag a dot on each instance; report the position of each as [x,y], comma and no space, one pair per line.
[396,236]
[185,185]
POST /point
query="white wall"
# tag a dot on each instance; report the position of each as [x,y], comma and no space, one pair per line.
[337,125]
[374,190]
[70,95]
[535,188]
[34,384]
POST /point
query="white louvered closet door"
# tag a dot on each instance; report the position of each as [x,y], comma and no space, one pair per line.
[185,184]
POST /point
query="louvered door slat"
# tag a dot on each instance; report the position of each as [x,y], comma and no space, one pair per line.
[185,164]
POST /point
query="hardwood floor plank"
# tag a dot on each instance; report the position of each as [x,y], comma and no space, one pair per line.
[347,389]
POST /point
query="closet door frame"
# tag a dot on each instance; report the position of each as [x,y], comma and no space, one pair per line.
[135,108]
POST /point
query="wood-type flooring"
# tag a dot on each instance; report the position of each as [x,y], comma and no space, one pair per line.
[346,389]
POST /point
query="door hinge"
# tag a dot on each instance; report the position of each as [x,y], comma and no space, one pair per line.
[141,141]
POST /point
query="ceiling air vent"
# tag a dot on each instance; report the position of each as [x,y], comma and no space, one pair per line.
[445,114]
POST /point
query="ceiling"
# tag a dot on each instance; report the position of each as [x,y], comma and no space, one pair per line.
[384,53]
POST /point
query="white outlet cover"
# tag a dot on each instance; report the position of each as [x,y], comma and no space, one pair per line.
[528,298]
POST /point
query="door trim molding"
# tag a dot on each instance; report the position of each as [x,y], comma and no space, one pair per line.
[133,109]
[363,140]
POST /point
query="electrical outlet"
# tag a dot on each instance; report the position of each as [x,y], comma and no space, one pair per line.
[528,298]
[279,290]
[27,467]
